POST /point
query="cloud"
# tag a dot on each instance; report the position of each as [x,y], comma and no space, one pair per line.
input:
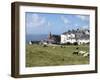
[85,27]
[64,19]
[84,18]
[35,20]
[76,25]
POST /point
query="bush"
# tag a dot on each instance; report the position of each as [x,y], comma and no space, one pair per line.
[75,43]
[88,43]
[68,43]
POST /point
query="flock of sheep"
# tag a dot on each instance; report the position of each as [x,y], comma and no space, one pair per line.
[77,52]
[83,53]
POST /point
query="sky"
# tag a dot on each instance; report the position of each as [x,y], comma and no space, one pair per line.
[44,23]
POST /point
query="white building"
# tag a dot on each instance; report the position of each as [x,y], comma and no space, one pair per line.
[81,37]
[68,38]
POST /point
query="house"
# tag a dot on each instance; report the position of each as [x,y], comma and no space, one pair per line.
[68,37]
[75,36]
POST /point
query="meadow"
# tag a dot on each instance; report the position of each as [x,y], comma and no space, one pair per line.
[37,55]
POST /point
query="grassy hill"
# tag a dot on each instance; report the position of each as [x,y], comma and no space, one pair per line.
[37,55]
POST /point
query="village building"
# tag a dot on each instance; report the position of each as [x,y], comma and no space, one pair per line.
[53,39]
[79,36]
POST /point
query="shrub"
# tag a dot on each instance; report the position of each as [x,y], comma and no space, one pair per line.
[68,43]
[75,43]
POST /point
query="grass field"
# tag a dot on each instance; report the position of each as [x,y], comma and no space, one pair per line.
[37,55]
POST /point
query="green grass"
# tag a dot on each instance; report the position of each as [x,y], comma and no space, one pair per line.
[37,55]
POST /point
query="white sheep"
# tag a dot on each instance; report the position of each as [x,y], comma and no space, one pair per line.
[86,54]
[53,47]
[30,42]
[82,52]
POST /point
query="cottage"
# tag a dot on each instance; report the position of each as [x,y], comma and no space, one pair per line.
[68,37]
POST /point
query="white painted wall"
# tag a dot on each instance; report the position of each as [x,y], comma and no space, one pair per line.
[5,41]
[66,38]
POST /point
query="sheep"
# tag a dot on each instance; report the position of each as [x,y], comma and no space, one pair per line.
[82,52]
[86,54]
[62,46]
[53,47]
[75,52]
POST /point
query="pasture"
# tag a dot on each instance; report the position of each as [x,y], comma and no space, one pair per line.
[37,55]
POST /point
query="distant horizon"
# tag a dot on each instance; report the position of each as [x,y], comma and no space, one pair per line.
[44,23]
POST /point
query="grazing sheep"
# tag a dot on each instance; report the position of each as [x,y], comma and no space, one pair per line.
[45,43]
[75,52]
[53,47]
[86,54]
[82,52]
[62,46]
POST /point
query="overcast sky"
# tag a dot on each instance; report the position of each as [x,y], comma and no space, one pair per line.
[44,23]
